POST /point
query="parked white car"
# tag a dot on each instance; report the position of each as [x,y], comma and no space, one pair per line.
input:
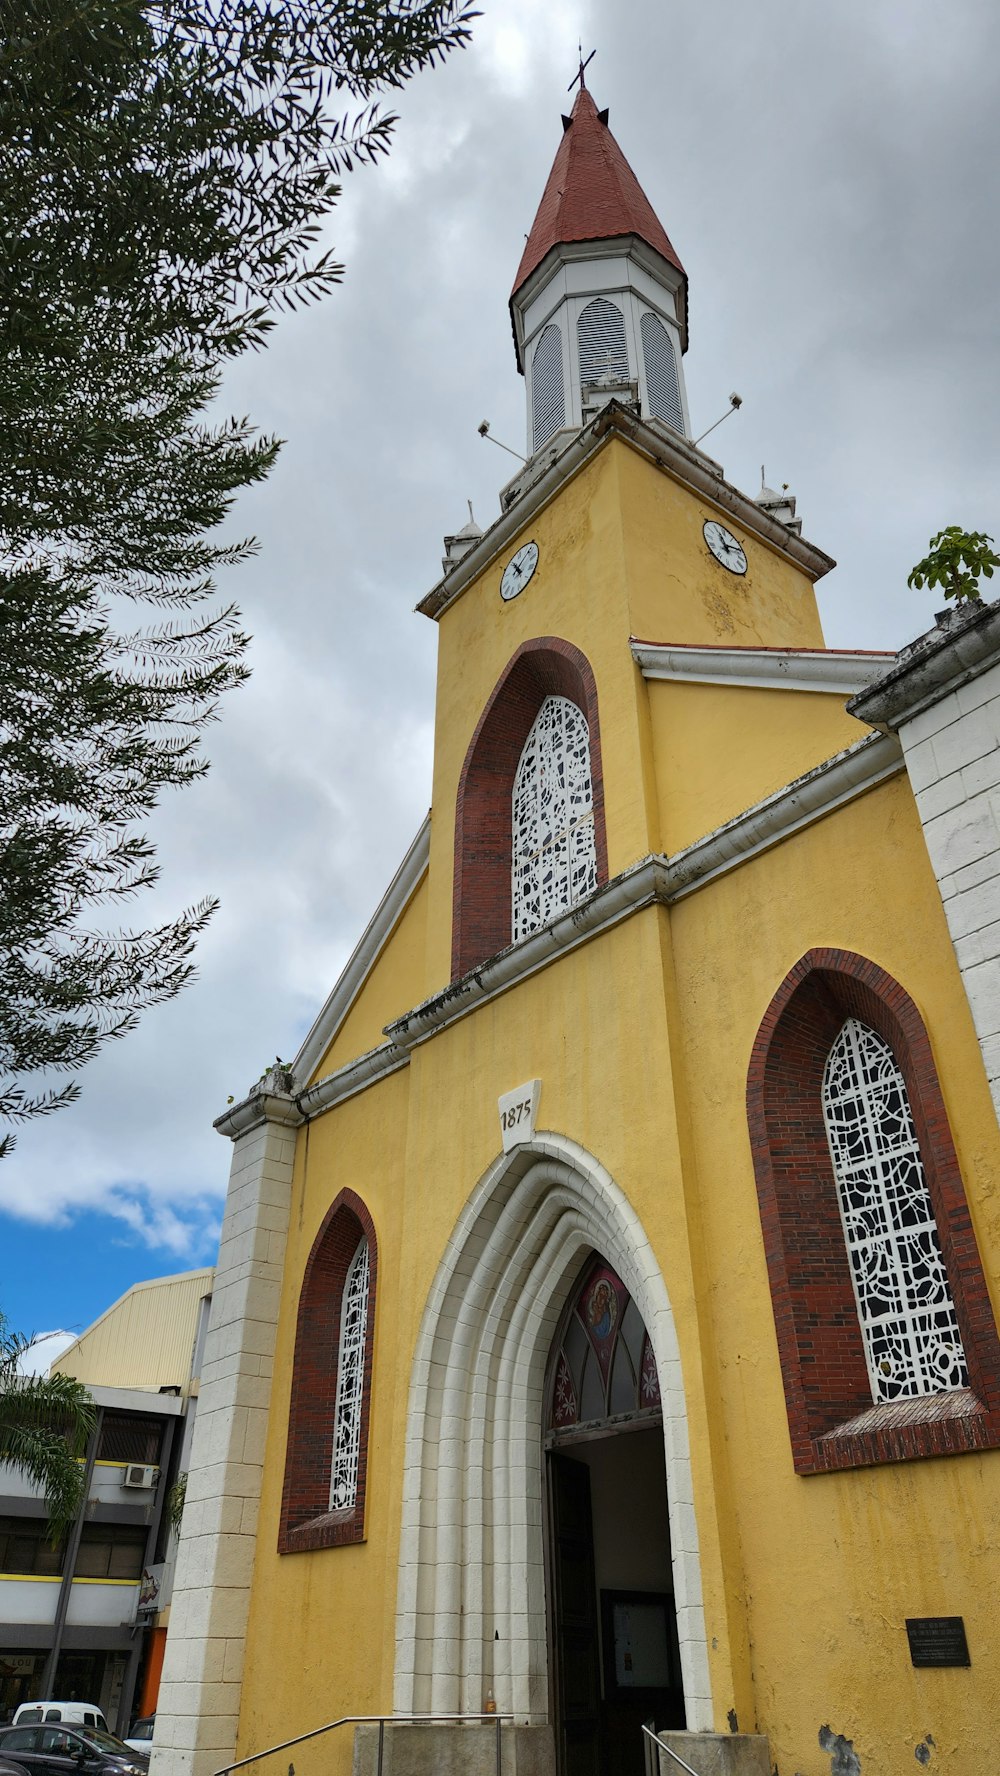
[141,1736]
[77,1714]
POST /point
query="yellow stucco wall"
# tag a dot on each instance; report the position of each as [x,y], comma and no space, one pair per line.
[642,1038]
[678,593]
[775,735]
[833,1564]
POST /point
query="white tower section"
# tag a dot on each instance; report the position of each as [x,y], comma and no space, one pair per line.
[600,320]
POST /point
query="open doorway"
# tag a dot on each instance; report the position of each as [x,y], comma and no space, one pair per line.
[612,1622]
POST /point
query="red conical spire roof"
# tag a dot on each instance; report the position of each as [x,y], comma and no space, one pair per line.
[591,194]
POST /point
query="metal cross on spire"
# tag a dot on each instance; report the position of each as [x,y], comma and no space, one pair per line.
[579,75]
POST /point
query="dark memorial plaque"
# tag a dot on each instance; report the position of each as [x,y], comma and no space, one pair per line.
[937,1640]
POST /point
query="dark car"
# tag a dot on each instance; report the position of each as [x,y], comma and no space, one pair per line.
[9,1768]
[70,1751]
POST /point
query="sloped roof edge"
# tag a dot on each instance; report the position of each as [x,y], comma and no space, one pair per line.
[364,955]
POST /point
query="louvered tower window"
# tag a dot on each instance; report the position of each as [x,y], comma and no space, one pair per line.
[350,1383]
[554,855]
[911,1336]
[601,337]
[662,390]
[548,399]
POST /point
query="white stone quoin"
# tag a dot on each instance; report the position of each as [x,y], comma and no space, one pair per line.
[942,697]
[198,1709]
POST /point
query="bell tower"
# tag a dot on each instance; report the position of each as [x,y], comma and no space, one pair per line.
[599,304]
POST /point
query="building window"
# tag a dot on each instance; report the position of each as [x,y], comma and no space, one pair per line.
[130,1439]
[492,822]
[554,859]
[908,1322]
[25,1548]
[663,395]
[886,1338]
[548,398]
[601,337]
[350,1384]
[110,1551]
[326,1460]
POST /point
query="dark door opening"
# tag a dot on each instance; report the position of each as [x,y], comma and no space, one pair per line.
[614,1652]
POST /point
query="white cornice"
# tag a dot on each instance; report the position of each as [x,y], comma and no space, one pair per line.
[640,886]
[347,1081]
[373,941]
[964,643]
[621,246]
[793,669]
[654,880]
[669,452]
[259,1107]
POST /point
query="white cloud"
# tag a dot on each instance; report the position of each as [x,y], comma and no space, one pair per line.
[45,1348]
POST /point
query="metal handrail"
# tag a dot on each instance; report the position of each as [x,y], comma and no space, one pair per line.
[379,1720]
[669,1751]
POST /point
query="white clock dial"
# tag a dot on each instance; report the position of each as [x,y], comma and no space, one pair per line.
[725,547]
[519,570]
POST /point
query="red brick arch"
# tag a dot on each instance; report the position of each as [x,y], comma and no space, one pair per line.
[831,1417]
[306,1519]
[481,908]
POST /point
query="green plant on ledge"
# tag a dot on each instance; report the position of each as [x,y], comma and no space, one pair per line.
[958,560]
[175,1502]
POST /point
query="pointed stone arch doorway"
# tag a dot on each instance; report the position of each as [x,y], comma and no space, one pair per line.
[472,1613]
[614,1650]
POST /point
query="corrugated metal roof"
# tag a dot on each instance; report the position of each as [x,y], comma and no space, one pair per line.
[145,1339]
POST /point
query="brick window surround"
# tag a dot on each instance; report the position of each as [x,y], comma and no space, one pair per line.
[481,907]
[306,1519]
[832,1420]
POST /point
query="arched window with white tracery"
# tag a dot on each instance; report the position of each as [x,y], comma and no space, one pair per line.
[908,1322]
[350,1384]
[554,859]
[326,1453]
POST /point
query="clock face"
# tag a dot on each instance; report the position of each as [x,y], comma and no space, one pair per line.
[725,547]
[519,570]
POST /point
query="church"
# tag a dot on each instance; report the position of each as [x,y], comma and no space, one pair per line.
[604,1333]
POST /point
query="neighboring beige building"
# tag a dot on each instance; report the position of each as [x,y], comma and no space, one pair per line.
[88,1619]
[146,1339]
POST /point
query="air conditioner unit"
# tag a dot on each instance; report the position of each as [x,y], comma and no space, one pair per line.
[136,1475]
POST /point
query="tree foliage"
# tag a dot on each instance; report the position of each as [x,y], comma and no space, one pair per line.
[167,167]
[957,561]
[45,1422]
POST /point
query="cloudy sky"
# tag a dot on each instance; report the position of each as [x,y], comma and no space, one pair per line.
[828,175]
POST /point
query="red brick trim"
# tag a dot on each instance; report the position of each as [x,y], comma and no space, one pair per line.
[306,1519]
[831,1418]
[481,917]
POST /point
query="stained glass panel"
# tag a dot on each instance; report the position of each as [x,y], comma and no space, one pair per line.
[604,1364]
